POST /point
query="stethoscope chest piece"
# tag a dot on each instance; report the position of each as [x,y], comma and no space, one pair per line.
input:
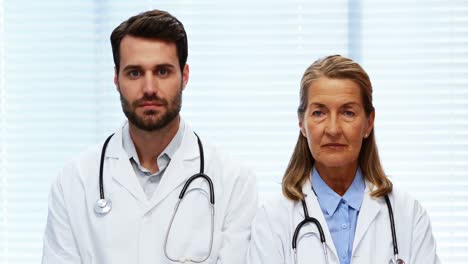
[398,261]
[103,206]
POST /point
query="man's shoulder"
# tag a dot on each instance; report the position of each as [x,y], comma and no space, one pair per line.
[223,158]
[90,154]
[81,164]
[228,169]
[219,154]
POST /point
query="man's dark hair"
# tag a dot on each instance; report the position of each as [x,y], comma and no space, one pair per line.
[154,24]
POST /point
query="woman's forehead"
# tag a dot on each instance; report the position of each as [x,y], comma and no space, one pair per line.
[325,90]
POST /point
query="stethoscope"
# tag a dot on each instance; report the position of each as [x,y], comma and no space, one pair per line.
[104,205]
[308,219]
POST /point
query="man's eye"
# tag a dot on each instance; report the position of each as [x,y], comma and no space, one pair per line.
[163,72]
[134,74]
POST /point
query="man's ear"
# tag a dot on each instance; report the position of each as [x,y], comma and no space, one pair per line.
[185,76]
[116,79]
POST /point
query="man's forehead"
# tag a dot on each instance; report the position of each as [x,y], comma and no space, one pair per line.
[131,43]
[137,50]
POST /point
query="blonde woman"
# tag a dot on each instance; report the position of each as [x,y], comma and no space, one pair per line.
[338,206]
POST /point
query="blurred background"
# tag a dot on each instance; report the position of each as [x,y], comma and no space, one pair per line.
[246,59]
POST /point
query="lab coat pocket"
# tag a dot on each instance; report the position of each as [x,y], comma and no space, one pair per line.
[88,258]
[122,226]
[381,254]
[191,232]
[377,248]
[389,254]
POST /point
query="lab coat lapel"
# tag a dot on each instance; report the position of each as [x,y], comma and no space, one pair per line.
[315,211]
[370,208]
[183,165]
[118,165]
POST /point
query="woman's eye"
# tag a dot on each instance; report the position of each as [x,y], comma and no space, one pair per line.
[349,113]
[317,113]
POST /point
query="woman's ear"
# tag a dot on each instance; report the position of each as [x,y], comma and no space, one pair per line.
[301,126]
[370,124]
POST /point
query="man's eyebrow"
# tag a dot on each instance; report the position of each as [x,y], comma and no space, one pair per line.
[131,67]
[138,67]
[164,65]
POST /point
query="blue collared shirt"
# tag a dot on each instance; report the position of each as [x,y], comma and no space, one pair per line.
[341,213]
[149,182]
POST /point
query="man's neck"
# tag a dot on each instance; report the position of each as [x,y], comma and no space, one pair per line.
[149,145]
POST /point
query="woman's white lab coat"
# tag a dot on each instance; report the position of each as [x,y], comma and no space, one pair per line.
[135,229]
[275,223]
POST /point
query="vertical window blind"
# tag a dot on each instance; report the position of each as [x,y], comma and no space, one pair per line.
[417,57]
[246,59]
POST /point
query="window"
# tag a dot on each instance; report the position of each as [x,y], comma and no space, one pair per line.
[247,57]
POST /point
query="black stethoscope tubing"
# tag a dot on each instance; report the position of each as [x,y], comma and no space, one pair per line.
[201,174]
[392,225]
[308,219]
[101,167]
[104,206]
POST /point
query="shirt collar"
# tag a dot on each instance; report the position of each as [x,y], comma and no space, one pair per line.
[355,193]
[330,200]
[169,151]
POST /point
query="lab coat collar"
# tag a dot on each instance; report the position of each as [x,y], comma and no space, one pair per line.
[182,164]
[115,149]
[355,193]
[370,208]
[315,211]
[119,167]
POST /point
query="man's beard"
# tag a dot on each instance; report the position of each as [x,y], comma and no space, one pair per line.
[151,119]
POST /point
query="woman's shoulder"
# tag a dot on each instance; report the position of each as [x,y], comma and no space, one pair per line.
[278,207]
[405,203]
[399,195]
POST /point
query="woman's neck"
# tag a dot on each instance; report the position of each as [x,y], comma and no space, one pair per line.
[337,178]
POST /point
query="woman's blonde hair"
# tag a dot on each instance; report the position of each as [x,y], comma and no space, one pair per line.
[301,163]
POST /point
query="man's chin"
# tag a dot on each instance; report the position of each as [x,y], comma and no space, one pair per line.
[151,126]
[152,123]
